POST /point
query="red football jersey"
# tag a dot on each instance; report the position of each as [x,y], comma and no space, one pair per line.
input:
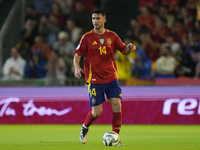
[99,62]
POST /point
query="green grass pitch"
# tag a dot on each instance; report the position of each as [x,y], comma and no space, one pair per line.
[66,137]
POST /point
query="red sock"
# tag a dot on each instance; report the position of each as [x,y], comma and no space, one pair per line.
[89,119]
[117,121]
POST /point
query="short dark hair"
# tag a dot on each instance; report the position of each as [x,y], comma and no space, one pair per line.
[99,11]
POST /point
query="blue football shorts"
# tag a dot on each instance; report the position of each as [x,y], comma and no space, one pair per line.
[97,92]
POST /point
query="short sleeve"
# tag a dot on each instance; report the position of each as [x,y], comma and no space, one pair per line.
[119,45]
[82,46]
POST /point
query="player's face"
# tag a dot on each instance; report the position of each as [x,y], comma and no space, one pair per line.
[98,21]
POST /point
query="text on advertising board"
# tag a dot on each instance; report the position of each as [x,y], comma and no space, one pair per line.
[185,106]
[29,108]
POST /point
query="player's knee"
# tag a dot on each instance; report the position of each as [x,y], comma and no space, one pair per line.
[96,113]
[116,107]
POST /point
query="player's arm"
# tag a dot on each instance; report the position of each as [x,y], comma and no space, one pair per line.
[78,70]
[129,47]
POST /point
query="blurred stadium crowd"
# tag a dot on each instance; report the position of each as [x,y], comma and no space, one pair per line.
[52,30]
[166,33]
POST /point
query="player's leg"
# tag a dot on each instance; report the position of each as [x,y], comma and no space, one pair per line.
[96,96]
[92,115]
[114,94]
[117,114]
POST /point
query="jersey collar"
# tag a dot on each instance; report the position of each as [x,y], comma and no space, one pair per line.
[100,34]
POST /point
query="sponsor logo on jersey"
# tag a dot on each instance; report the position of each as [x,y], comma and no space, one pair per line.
[120,95]
[94,43]
[102,41]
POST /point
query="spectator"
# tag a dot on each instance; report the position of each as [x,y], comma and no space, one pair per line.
[192,5]
[74,32]
[13,68]
[192,46]
[134,30]
[146,17]
[188,19]
[160,30]
[197,28]
[57,13]
[197,71]
[164,13]
[186,67]
[179,31]
[42,47]
[43,28]
[66,50]
[150,3]
[65,6]
[35,68]
[55,70]
[49,29]
[30,31]
[31,13]
[165,64]
[148,45]
[142,65]
[88,5]
[172,4]
[43,6]
[198,10]
[124,62]
[81,17]
[24,49]
[175,47]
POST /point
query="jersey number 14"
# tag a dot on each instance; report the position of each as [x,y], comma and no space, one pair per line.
[102,50]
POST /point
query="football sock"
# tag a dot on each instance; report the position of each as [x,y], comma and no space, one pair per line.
[89,119]
[117,121]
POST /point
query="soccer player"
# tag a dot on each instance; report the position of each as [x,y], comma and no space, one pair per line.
[100,71]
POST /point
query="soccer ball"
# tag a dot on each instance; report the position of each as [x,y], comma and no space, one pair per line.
[110,138]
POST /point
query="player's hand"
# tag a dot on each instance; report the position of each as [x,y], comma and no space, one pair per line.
[77,72]
[131,46]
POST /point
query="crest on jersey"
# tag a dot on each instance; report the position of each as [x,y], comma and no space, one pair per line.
[109,42]
[102,41]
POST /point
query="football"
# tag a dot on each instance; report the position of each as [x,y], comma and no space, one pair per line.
[110,138]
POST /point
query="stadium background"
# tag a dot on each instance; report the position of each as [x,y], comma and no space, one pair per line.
[163,101]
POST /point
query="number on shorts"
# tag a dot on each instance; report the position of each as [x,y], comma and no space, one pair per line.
[93,92]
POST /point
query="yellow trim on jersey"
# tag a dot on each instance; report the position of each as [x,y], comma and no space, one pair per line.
[86,34]
[110,31]
[115,69]
[90,75]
